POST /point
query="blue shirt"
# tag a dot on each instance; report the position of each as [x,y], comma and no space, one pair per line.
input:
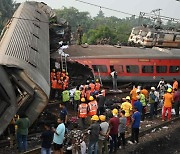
[137,118]
[138,105]
[58,139]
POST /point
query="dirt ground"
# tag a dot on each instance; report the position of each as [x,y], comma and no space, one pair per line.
[165,140]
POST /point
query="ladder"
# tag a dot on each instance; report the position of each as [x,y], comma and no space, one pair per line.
[64,62]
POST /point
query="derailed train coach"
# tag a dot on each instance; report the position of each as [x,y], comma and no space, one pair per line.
[25,63]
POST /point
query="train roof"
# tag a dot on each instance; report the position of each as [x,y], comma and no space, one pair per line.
[108,51]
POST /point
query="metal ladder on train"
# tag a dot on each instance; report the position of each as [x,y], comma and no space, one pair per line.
[64,62]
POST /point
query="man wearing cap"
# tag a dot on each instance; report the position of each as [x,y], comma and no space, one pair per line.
[114,125]
[104,129]
[94,130]
[152,99]
[168,100]
[127,107]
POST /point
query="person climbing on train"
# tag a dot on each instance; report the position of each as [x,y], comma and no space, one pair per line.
[113,127]
[77,97]
[83,112]
[103,135]
[168,100]
[114,79]
[97,85]
[92,86]
[79,34]
[133,95]
[127,107]
[175,84]
[66,97]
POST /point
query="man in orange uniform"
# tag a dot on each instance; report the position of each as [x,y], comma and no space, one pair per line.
[82,112]
[92,86]
[168,100]
[97,85]
[133,95]
[63,74]
[60,86]
[92,106]
[175,84]
[53,74]
[88,93]
[145,92]
[58,75]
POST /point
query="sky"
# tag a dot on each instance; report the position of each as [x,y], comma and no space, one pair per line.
[170,8]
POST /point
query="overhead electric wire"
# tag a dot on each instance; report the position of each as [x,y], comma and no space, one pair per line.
[107,8]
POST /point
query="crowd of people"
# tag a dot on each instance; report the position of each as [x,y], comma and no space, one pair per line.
[98,128]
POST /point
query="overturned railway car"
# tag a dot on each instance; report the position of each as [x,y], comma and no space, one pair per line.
[25,63]
[132,64]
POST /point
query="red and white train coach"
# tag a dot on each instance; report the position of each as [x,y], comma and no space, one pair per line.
[132,64]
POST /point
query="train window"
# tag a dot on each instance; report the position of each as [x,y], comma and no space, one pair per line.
[177,38]
[174,69]
[118,68]
[161,69]
[132,69]
[99,68]
[169,37]
[147,69]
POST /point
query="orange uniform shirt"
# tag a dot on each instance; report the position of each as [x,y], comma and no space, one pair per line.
[145,92]
[168,99]
[133,94]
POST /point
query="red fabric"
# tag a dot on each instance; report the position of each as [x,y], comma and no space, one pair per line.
[54,84]
[128,121]
[164,112]
[114,123]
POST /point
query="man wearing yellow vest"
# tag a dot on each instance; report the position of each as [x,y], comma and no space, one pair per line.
[77,97]
[65,97]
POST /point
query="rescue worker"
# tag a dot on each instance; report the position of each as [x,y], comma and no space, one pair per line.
[97,85]
[53,74]
[79,34]
[175,84]
[94,130]
[58,75]
[114,79]
[92,106]
[77,97]
[133,95]
[53,87]
[168,100]
[63,74]
[92,86]
[103,135]
[65,83]
[145,92]
[88,93]
[82,112]
[142,99]
[127,107]
[65,97]
[152,98]
[114,125]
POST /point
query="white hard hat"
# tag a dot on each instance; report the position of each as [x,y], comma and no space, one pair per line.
[153,88]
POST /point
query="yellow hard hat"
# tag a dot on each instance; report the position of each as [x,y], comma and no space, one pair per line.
[102,117]
[91,98]
[67,73]
[53,70]
[61,78]
[114,111]
[95,118]
[83,100]
[128,98]
[97,80]
[169,90]
[63,70]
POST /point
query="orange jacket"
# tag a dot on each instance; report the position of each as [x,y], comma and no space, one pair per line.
[58,75]
[88,94]
[97,86]
[82,110]
[92,86]
[54,84]
[52,75]
[92,108]
[59,84]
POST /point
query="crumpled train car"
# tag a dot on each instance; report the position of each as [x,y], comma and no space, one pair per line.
[25,63]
